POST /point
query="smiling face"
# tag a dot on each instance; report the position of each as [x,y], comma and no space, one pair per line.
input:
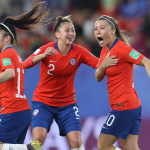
[104,33]
[66,33]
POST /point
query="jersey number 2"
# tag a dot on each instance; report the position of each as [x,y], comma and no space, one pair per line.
[52,68]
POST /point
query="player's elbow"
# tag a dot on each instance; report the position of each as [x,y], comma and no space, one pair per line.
[98,78]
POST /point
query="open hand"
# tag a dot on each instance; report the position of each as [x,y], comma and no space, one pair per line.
[110,60]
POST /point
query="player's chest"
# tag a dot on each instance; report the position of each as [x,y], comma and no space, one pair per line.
[61,65]
[120,68]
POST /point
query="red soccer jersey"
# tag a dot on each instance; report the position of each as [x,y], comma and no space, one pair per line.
[12,98]
[56,85]
[122,95]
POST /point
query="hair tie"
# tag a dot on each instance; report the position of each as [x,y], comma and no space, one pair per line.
[107,20]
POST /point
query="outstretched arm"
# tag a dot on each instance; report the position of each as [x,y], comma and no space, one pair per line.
[34,59]
[146,63]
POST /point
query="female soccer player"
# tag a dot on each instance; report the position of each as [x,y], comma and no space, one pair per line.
[54,97]
[124,120]
[15,110]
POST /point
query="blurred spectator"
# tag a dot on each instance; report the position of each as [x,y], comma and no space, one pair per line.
[134,8]
[132,16]
[80,40]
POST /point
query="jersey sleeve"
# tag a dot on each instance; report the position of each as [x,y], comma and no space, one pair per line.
[88,58]
[6,61]
[130,55]
[28,62]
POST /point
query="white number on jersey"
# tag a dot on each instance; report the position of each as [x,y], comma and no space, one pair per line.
[18,84]
[49,71]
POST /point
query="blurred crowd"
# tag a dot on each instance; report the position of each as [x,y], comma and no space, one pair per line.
[133,17]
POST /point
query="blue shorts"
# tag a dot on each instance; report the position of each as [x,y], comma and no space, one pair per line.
[66,117]
[123,123]
[13,126]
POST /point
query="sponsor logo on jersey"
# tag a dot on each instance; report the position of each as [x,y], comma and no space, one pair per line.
[37,51]
[35,112]
[6,61]
[52,61]
[134,54]
[72,61]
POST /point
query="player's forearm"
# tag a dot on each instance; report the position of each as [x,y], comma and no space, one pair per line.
[147,67]
[100,73]
[38,58]
[146,63]
[32,61]
[8,74]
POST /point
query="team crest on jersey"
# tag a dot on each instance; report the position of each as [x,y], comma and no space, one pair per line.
[72,61]
[35,112]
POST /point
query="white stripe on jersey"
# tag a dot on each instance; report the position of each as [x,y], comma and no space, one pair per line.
[37,51]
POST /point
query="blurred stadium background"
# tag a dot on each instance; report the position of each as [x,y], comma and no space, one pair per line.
[133,16]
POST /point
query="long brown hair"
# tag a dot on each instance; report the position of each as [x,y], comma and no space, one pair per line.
[32,20]
[114,24]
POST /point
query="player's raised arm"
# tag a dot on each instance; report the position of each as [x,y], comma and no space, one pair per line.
[39,55]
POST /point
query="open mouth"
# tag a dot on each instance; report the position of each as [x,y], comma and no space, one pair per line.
[100,39]
[70,38]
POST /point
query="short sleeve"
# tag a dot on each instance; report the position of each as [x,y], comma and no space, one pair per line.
[41,50]
[130,55]
[6,61]
[88,58]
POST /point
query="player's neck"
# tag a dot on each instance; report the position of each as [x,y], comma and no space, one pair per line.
[64,49]
[5,46]
[110,44]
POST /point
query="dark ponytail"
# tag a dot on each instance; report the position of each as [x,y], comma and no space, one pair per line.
[33,20]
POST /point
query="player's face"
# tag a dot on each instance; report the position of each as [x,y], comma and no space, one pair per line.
[66,33]
[104,33]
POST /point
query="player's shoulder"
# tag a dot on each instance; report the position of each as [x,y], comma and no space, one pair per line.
[9,52]
[122,45]
[52,44]
[79,48]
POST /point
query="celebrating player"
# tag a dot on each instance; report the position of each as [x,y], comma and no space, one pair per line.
[124,120]
[54,96]
[15,110]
